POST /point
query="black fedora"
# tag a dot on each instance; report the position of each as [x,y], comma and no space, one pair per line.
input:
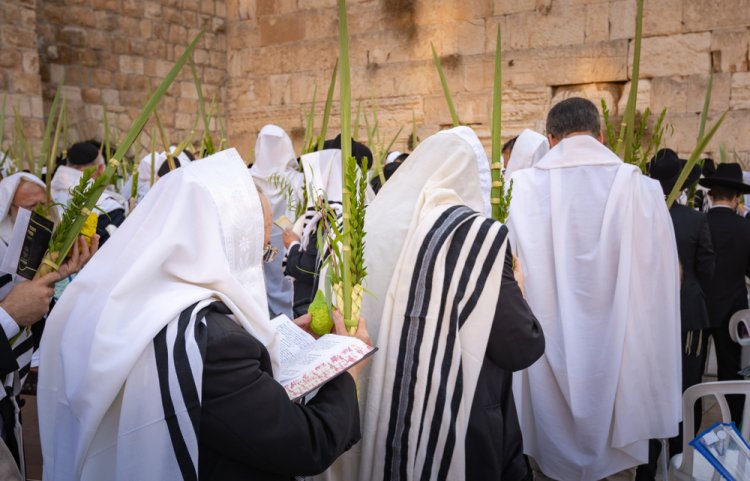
[727,175]
[666,167]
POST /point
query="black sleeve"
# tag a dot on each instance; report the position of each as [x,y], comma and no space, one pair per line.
[248,417]
[302,264]
[8,362]
[516,339]
[116,218]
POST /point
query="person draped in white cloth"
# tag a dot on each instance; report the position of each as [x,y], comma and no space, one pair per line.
[275,173]
[529,147]
[597,244]
[23,304]
[450,321]
[157,362]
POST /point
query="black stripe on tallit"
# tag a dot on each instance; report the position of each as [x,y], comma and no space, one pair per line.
[442,228]
[188,389]
[451,261]
[25,346]
[182,454]
[489,261]
[24,371]
[457,245]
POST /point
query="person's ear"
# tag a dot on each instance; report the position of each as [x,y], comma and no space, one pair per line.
[600,137]
[552,140]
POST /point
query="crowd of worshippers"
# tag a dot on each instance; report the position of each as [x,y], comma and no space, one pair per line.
[556,346]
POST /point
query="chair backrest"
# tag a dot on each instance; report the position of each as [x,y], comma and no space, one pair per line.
[719,390]
[740,319]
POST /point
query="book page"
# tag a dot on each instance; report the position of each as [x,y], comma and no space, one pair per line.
[292,340]
[307,363]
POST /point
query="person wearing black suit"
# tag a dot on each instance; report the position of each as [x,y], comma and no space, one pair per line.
[727,293]
[697,261]
[241,399]
[494,444]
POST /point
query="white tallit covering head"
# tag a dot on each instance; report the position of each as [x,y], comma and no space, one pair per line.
[274,153]
[598,249]
[144,169]
[8,187]
[449,167]
[197,235]
[275,173]
[528,149]
[452,157]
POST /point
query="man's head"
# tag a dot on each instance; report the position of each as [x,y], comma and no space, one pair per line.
[573,116]
[28,195]
[507,150]
[84,155]
[727,196]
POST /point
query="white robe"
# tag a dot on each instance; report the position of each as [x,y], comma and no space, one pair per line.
[597,245]
[275,163]
[67,178]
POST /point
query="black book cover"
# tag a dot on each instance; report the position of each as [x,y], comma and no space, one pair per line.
[35,245]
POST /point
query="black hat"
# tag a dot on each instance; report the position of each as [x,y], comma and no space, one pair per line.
[82,153]
[727,175]
[359,151]
[709,167]
[666,167]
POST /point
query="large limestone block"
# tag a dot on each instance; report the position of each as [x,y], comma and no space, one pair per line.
[596,62]
[660,17]
[740,94]
[643,100]
[608,92]
[281,29]
[560,26]
[674,55]
[720,92]
[701,15]
[669,93]
[730,49]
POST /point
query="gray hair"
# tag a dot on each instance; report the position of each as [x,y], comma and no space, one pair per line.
[575,114]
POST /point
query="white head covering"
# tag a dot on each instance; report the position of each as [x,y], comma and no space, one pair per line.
[452,158]
[392,156]
[275,164]
[144,169]
[323,182]
[274,152]
[8,187]
[198,235]
[527,150]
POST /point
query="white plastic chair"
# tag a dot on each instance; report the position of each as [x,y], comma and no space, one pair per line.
[691,466]
[741,318]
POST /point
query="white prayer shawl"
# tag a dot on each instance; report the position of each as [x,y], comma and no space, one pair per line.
[144,169]
[392,156]
[67,178]
[275,173]
[197,236]
[8,187]
[528,149]
[451,162]
[597,245]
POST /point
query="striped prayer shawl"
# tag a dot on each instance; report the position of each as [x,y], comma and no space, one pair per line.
[445,292]
[179,349]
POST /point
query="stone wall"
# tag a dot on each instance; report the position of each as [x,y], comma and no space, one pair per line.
[20,85]
[115,52]
[279,49]
[263,58]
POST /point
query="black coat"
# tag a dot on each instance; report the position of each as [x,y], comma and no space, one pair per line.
[697,259]
[494,446]
[727,293]
[250,430]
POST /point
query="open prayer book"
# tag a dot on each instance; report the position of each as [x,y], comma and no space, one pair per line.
[308,363]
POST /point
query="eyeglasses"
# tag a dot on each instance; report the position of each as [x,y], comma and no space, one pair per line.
[269,253]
